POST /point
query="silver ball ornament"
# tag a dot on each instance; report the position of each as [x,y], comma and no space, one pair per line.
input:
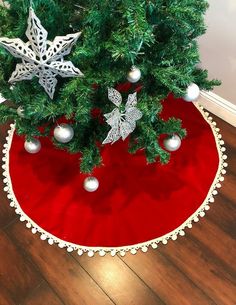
[91,184]
[63,133]
[33,146]
[172,143]
[192,93]
[20,111]
[134,75]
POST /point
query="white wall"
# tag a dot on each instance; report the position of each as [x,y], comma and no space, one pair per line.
[218,46]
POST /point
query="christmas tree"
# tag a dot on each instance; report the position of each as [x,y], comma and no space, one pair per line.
[81,76]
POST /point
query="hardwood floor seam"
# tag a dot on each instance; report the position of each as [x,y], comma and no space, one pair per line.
[34,265]
[93,279]
[187,277]
[31,292]
[227,268]
[157,296]
[4,228]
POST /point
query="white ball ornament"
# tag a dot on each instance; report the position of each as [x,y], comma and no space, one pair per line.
[192,93]
[91,184]
[20,111]
[172,143]
[134,75]
[33,146]
[63,133]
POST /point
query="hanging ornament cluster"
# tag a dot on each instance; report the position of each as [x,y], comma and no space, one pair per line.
[45,60]
[172,143]
[134,75]
[40,60]
[122,122]
[63,133]
[192,93]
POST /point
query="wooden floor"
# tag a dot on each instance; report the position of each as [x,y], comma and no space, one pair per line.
[198,269]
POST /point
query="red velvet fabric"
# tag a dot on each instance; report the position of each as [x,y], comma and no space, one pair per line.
[135,202]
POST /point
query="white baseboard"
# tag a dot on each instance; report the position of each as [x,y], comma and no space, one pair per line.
[219,106]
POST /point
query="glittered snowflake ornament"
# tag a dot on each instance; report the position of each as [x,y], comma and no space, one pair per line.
[40,57]
[122,123]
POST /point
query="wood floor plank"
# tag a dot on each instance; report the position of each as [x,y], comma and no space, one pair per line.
[223,214]
[68,279]
[3,133]
[229,187]
[231,160]
[115,277]
[5,297]
[7,213]
[204,269]
[165,279]
[228,132]
[18,276]
[43,295]
[220,243]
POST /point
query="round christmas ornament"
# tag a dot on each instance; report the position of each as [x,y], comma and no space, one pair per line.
[91,184]
[192,93]
[63,133]
[20,111]
[134,75]
[33,146]
[172,143]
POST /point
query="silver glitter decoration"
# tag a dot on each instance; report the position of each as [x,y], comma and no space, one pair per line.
[40,57]
[122,123]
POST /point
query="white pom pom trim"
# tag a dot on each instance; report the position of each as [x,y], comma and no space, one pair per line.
[133,249]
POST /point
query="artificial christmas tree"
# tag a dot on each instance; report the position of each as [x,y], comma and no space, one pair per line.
[83,75]
[150,43]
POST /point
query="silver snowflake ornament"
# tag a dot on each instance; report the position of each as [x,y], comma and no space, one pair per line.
[122,123]
[40,57]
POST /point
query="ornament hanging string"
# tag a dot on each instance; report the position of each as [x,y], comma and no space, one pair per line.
[137,52]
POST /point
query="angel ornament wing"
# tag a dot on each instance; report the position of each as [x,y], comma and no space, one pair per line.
[122,122]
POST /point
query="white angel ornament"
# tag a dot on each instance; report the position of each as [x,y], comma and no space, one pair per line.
[122,122]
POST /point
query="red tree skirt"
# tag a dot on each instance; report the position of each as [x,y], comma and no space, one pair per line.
[136,205]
